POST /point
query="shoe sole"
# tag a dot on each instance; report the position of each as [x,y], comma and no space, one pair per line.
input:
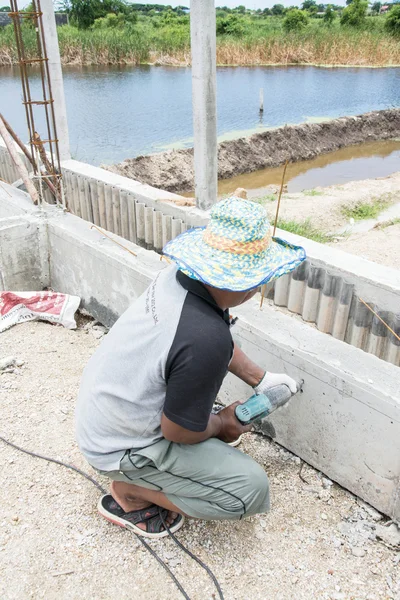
[126,525]
[236,442]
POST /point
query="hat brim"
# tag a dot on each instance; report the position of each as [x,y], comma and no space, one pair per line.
[228,271]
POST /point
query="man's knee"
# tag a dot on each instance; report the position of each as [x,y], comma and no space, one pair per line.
[256,496]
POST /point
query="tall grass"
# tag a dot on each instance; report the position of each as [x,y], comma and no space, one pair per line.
[262,42]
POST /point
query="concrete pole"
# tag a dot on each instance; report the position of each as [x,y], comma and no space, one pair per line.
[204,74]
[57,84]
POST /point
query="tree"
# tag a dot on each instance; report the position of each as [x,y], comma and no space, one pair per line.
[5,9]
[354,15]
[307,4]
[240,9]
[83,13]
[329,15]
[295,20]
[376,8]
[278,10]
[392,23]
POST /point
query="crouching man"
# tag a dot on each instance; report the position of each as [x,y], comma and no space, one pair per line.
[144,415]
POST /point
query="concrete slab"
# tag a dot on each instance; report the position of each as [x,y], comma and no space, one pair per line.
[14,202]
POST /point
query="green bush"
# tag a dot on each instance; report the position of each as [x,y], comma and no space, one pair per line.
[295,20]
[354,15]
[392,23]
[230,25]
[329,15]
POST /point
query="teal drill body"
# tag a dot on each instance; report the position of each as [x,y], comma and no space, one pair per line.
[260,406]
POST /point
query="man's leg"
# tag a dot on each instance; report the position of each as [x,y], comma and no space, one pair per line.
[209,480]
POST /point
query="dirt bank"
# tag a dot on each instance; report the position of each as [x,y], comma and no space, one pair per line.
[318,542]
[173,170]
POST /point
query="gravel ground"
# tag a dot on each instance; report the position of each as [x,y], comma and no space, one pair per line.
[381,245]
[318,542]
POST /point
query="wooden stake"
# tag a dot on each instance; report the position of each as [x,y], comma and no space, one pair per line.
[261,100]
[276,221]
[21,168]
[280,195]
[27,153]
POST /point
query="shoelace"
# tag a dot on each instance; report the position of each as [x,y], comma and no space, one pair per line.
[142,540]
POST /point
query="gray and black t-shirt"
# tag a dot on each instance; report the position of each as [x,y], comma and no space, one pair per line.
[169,352]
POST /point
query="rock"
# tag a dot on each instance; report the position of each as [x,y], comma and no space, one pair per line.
[372,512]
[326,483]
[263,523]
[359,552]
[389,535]
[19,362]
[7,362]
[98,331]
[324,517]
[240,193]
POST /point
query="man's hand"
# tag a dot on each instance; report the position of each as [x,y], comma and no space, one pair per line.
[231,428]
[272,379]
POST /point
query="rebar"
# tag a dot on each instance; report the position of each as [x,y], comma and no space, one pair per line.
[49,156]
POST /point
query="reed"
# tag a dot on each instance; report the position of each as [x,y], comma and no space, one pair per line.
[170,45]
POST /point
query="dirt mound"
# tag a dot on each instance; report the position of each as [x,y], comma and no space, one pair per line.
[173,170]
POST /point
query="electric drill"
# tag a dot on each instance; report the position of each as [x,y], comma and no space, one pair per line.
[260,406]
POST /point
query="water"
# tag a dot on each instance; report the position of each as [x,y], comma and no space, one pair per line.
[354,163]
[122,112]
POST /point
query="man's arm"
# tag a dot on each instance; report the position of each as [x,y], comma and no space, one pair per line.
[253,375]
[223,425]
[244,368]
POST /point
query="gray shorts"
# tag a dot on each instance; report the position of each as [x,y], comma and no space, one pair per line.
[210,480]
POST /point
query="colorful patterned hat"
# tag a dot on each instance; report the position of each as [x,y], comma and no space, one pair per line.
[236,250]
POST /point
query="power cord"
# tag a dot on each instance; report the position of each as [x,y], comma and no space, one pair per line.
[140,538]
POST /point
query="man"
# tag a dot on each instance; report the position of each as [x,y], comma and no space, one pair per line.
[144,415]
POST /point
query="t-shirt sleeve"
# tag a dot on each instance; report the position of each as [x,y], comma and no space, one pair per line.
[195,370]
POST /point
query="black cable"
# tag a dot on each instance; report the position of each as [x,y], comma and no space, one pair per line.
[198,560]
[145,544]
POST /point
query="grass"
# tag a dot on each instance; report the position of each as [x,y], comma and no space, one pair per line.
[365,210]
[312,193]
[305,229]
[264,199]
[262,41]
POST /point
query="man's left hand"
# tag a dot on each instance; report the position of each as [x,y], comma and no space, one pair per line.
[272,379]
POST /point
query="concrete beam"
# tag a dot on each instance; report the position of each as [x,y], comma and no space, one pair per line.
[204,83]
[347,421]
[56,78]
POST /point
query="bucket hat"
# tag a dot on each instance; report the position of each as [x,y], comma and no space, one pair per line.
[236,250]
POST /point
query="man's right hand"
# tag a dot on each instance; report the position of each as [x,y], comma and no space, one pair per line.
[231,428]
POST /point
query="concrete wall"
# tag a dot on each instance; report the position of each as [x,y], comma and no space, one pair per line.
[346,422]
[23,254]
[87,264]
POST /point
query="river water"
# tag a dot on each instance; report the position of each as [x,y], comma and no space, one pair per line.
[122,112]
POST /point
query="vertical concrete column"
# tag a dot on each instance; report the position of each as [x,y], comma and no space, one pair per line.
[57,84]
[204,74]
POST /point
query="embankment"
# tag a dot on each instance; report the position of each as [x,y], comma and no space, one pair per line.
[173,170]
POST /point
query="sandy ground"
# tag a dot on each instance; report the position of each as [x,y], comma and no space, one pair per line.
[174,171]
[324,209]
[318,542]
[379,245]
